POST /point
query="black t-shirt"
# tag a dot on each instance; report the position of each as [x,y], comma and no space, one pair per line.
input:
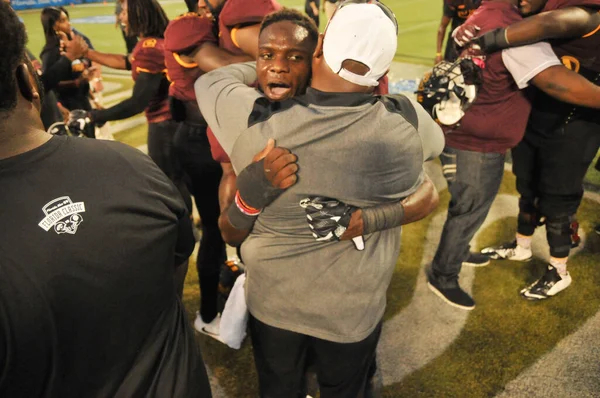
[91,232]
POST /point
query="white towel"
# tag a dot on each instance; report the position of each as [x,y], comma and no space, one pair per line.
[235,315]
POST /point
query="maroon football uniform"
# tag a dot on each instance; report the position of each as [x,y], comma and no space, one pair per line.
[582,55]
[236,13]
[148,56]
[182,36]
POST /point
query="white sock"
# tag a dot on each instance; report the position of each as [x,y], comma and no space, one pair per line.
[524,241]
[560,264]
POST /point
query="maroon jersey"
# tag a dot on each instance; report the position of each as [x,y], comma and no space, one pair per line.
[241,12]
[581,55]
[148,57]
[384,86]
[216,150]
[497,119]
[183,35]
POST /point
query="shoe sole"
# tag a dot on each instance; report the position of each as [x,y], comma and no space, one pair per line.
[535,297]
[494,256]
[440,295]
[202,330]
[468,264]
[525,260]
[538,297]
[209,334]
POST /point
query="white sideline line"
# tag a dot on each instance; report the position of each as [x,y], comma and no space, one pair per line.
[416,27]
[110,100]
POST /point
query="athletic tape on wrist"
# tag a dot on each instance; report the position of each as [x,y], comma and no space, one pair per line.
[254,186]
[382,217]
[238,219]
[494,40]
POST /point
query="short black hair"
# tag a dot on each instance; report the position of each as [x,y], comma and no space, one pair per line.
[146,18]
[294,16]
[12,53]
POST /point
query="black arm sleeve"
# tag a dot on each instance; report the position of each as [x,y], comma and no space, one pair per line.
[56,73]
[144,88]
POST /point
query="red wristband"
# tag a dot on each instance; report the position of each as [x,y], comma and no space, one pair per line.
[243,206]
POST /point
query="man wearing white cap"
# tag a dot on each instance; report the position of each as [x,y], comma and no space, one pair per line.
[325,298]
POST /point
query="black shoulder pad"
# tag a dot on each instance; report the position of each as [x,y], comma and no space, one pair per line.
[398,103]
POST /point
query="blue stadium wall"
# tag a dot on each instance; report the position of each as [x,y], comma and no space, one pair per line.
[28,4]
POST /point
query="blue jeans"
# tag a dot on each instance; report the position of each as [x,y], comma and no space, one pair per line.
[473,182]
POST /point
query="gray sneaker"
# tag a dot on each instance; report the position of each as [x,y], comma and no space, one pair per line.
[508,251]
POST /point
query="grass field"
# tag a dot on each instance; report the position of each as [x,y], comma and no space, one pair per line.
[499,340]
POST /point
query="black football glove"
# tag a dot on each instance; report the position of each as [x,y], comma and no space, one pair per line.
[329,218]
[80,124]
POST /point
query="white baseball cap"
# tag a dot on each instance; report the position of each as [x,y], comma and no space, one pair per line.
[365,32]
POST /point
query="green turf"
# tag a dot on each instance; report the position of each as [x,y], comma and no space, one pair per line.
[506,334]
[593,175]
[136,136]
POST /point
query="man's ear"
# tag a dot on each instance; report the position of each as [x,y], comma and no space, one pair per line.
[318,53]
[25,83]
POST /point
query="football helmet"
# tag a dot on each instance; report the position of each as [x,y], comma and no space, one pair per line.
[447,91]
[80,124]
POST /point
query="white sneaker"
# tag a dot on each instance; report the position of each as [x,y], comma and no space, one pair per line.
[547,286]
[211,329]
[508,251]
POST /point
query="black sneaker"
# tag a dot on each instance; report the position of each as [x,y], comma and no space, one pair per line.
[476,260]
[454,296]
[597,229]
[547,286]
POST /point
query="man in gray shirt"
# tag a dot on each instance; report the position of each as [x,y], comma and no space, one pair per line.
[303,294]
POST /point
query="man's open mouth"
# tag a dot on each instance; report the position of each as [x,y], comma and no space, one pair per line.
[279,89]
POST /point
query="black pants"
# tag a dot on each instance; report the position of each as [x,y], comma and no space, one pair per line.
[281,358]
[550,167]
[161,150]
[204,175]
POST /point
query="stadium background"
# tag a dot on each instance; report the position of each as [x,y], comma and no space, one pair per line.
[430,349]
